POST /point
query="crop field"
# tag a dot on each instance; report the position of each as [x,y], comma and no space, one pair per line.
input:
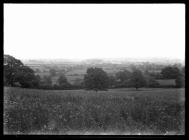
[116,111]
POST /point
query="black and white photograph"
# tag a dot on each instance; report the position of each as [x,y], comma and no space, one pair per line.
[93,69]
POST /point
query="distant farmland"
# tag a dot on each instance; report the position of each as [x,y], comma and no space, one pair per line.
[116,111]
[73,74]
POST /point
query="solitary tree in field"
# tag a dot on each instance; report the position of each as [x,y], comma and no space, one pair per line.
[96,79]
[137,79]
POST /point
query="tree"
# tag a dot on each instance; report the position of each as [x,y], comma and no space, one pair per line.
[11,68]
[63,82]
[123,75]
[37,82]
[27,78]
[96,79]
[38,70]
[16,72]
[78,83]
[150,80]
[137,79]
[180,82]
[52,72]
[170,72]
[180,79]
[47,82]
[112,81]
[123,78]
[156,75]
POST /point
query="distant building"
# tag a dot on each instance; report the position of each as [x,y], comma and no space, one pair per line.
[167,82]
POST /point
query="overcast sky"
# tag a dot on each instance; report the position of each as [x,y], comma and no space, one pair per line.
[80,31]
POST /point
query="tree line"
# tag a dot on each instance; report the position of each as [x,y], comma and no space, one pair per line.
[17,74]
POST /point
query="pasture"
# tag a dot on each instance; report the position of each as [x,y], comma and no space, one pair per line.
[116,111]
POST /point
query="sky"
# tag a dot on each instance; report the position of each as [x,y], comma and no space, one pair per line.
[84,31]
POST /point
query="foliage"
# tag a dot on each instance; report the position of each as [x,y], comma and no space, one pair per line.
[156,75]
[170,72]
[137,79]
[152,83]
[175,73]
[150,80]
[11,68]
[63,82]
[16,72]
[123,76]
[26,78]
[112,81]
[38,70]
[78,84]
[180,81]
[46,82]
[52,72]
[96,79]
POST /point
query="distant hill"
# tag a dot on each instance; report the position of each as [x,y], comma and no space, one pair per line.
[104,61]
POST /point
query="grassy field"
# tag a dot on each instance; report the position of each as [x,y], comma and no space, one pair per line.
[116,111]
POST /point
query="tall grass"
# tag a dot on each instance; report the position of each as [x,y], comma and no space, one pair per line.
[56,112]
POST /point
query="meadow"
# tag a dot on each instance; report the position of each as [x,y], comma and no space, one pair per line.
[116,111]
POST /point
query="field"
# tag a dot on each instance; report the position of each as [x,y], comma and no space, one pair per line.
[116,111]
